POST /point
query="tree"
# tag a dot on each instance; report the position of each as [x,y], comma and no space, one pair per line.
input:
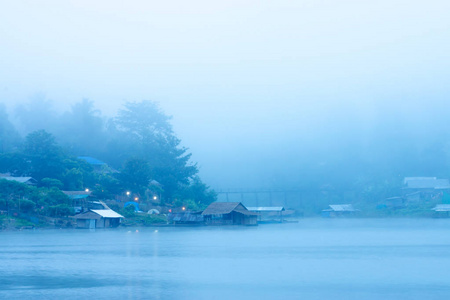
[37,114]
[196,193]
[9,137]
[81,129]
[148,129]
[143,119]
[136,175]
[46,157]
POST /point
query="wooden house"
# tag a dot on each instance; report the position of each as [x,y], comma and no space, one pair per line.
[98,218]
[185,218]
[229,213]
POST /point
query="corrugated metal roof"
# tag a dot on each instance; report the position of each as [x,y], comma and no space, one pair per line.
[89,215]
[19,179]
[222,208]
[77,194]
[266,208]
[441,207]
[107,213]
[91,160]
[342,207]
[185,217]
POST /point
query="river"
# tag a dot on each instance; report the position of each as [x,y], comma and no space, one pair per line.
[312,259]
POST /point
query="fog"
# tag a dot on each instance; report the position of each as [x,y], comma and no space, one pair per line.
[265,94]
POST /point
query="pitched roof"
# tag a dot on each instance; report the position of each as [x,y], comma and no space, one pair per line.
[266,208]
[342,207]
[97,214]
[107,213]
[30,180]
[89,215]
[441,207]
[222,208]
[77,194]
[91,160]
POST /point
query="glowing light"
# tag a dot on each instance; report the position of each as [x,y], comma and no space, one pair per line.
[128,193]
[86,190]
[136,199]
[154,197]
[183,208]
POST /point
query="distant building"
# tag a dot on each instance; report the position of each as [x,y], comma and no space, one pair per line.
[101,218]
[26,180]
[424,189]
[98,165]
[229,213]
[339,210]
[268,213]
[186,218]
[442,210]
[79,199]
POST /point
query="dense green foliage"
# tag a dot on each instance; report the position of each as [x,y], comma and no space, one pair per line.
[142,154]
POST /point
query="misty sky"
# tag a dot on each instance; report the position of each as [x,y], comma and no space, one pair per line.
[248,83]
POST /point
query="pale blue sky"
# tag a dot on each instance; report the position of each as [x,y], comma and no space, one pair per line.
[236,76]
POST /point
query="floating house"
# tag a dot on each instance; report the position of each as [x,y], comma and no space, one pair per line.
[268,214]
[186,218]
[229,213]
[339,210]
[442,210]
[98,218]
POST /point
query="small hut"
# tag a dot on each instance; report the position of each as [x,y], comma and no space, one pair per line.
[268,214]
[186,218]
[101,218]
[229,213]
[442,210]
[339,210]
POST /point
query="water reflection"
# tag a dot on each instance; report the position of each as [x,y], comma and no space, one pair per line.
[314,259]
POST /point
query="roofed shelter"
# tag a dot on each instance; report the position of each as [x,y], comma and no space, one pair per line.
[268,212]
[442,210]
[424,189]
[229,213]
[25,180]
[79,199]
[98,218]
[339,210]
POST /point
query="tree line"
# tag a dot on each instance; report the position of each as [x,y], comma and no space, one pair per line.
[142,153]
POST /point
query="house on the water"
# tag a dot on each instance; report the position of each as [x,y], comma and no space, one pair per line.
[268,214]
[441,210]
[339,210]
[229,213]
[98,218]
[186,218]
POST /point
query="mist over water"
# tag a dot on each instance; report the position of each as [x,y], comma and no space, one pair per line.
[314,259]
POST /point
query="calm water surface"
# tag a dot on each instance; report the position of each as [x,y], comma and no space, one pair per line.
[314,259]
